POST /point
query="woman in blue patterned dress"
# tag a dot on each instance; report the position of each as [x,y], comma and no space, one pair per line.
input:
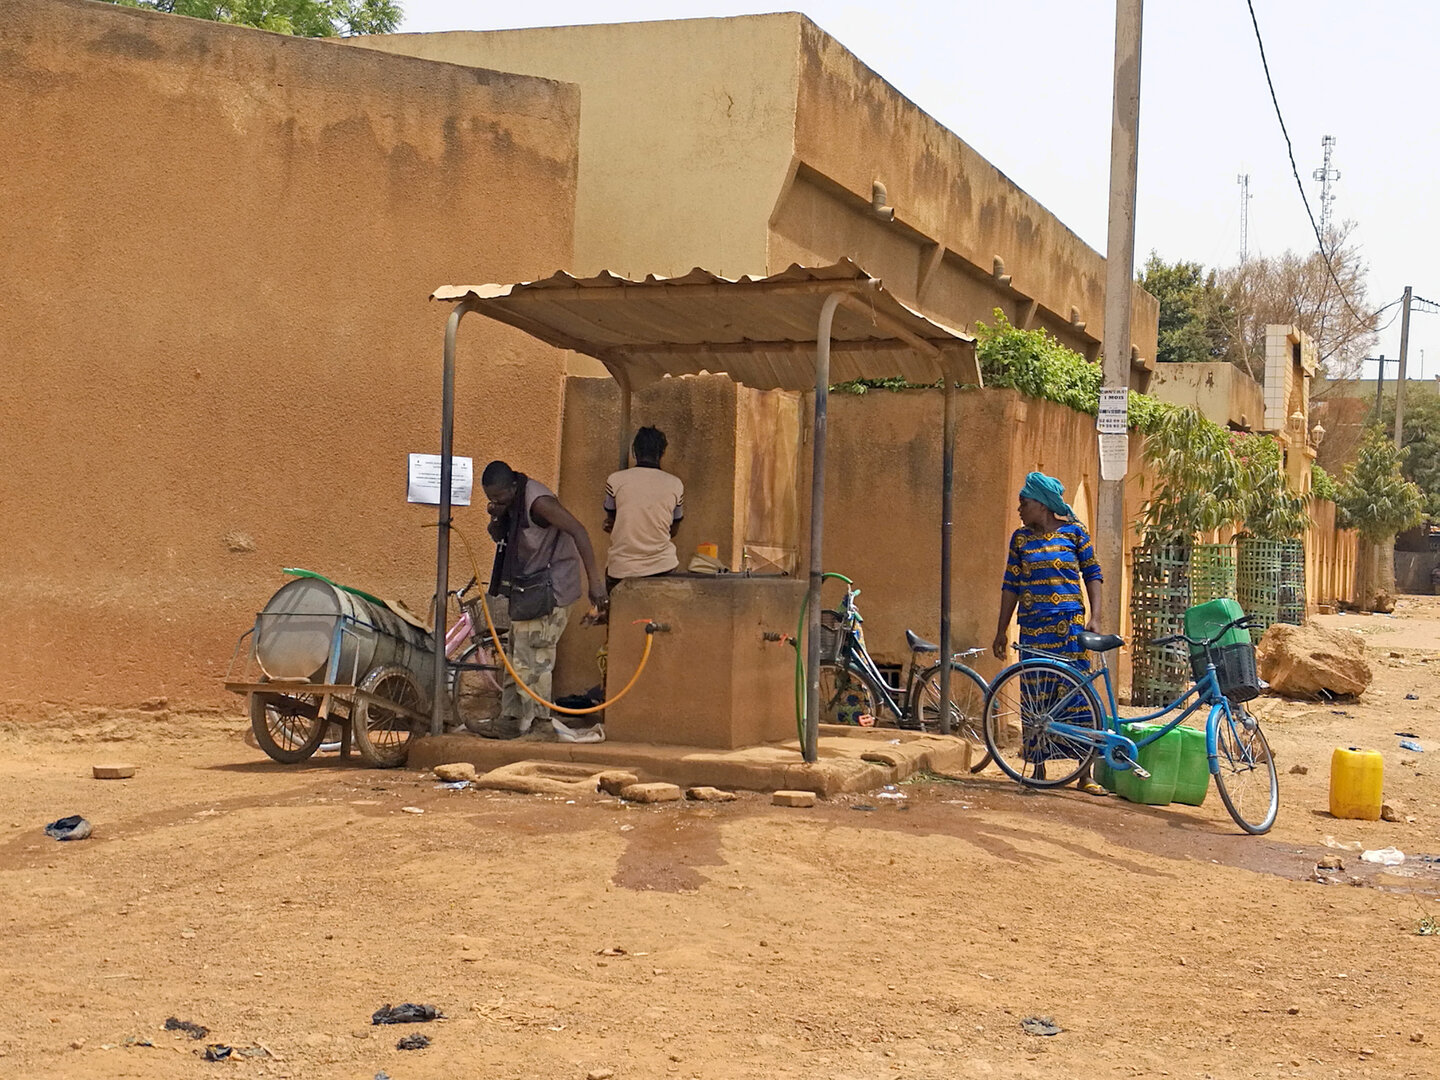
[1050,572]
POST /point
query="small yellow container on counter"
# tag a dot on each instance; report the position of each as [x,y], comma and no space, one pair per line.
[1357,783]
[710,551]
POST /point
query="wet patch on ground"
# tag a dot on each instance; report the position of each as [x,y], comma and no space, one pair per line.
[665,850]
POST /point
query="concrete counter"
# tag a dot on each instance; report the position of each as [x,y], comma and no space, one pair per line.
[713,680]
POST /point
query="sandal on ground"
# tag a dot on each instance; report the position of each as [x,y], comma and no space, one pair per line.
[1090,787]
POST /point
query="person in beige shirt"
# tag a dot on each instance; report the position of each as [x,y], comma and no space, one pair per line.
[643,509]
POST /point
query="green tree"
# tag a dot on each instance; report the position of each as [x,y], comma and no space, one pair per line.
[1421,443]
[1036,364]
[1323,484]
[1269,509]
[1378,502]
[1375,498]
[1296,289]
[303,18]
[1196,320]
[1197,483]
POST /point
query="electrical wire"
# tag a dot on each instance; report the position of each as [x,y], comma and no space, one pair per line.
[1295,169]
[1382,329]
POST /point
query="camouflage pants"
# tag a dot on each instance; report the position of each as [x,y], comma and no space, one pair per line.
[532,651]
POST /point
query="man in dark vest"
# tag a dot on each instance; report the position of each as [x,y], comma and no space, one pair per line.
[541,549]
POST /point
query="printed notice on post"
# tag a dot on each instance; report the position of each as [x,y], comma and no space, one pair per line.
[1114,415]
[1114,456]
[425,480]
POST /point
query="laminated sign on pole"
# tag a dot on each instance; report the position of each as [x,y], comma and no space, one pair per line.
[1113,422]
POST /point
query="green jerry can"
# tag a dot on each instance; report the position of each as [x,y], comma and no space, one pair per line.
[1234,654]
[1192,779]
[1176,763]
[1161,759]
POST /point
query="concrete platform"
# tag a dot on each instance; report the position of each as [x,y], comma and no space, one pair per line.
[851,759]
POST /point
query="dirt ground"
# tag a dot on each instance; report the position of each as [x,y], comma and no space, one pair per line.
[867,937]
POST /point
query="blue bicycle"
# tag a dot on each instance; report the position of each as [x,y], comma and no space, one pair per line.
[1044,724]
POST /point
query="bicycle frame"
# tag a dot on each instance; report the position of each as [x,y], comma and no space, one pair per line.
[459,633]
[1120,750]
[853,654]
[468,628]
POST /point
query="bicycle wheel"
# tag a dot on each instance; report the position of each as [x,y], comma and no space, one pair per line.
[287,726]
[382,734]
[1021,704]
[967,705]
[846,695]
[1245,777]
[474,694]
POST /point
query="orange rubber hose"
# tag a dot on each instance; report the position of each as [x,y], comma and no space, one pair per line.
[495,637]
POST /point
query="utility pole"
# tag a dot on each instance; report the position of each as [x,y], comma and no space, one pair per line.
[1379,386]
[1400,379]
[1119,281]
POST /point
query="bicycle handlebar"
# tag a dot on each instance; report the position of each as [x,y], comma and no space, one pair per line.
[1244,622]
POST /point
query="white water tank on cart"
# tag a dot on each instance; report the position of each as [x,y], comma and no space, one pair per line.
[295,633]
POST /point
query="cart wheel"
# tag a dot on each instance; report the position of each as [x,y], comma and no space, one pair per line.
[288,727]
[382,735]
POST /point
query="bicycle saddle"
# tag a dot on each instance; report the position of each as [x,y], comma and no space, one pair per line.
[919,644]
[1099,642]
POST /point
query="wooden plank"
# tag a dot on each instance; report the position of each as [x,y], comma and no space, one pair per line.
[288,688]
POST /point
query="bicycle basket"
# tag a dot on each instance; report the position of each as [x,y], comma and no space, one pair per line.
[1234,670]
[1234,654]
[832,628]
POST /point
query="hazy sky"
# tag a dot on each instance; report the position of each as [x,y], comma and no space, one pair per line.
[1027,83]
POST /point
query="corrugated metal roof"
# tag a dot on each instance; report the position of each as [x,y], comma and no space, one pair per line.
[759,331]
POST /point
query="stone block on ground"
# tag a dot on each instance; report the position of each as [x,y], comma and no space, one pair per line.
[1312,661]
[112,772]
[542,778]
[710,794]
[793,798]
[614,781]
[651,793]
[459,770]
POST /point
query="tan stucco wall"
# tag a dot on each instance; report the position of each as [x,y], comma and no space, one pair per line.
[215,251]
[745,144]
[1221,392]
[955,212]
[698,416]
[882,504]
[686,133]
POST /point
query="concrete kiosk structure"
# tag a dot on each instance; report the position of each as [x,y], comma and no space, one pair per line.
[758,331]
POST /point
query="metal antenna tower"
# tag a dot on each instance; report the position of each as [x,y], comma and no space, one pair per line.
[1244,181]
[1327,176]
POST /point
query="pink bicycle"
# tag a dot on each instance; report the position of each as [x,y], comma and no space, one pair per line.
[470,658]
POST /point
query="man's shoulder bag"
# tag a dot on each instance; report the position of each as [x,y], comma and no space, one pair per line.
[532,596]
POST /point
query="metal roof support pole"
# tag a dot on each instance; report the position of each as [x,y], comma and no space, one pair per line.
[947,528]
[442,540]
[623,378]
[810,748]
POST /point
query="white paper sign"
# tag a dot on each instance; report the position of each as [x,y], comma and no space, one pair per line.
[1114,415]
[425,479]
[1114,456]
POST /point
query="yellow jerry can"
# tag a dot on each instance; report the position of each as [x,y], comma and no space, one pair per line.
[1357,783]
